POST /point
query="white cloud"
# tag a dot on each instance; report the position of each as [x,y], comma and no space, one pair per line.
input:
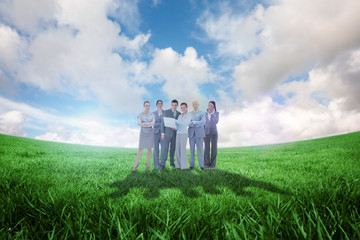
[15,118]
[181,74]
[126,12]
[28,111]
[74,47]
[28,16]
[285,39]
[236,35]
[156,2]
[266,122]
[78,51]
[92,133]
[326,103]
[336,81]
[12,48]
[11,123]
[290,38]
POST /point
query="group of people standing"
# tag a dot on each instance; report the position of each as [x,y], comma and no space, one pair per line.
[200,127]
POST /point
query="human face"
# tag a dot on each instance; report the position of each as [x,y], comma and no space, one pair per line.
[195,106]
[184,109]
[174,106]
[211,107]
[147,107]
[159,105]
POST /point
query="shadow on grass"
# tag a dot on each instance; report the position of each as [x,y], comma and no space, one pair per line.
[186,180]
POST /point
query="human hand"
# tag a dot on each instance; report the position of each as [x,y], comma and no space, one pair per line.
[163,137]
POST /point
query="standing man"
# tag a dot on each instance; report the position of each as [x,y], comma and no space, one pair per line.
[168,135]
[157,132]
[196,135]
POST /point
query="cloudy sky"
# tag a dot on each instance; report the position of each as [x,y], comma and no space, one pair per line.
[78,71]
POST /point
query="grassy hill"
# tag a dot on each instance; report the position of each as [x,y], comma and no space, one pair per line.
[301,190]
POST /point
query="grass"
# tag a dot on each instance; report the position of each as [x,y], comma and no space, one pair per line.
[302,190]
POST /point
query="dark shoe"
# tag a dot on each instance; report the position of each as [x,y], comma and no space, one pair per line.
[202,168]
[191,168]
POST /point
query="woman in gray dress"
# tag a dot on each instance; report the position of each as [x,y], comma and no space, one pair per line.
[146,120]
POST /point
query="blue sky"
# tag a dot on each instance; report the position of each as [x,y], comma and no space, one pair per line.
[79,71]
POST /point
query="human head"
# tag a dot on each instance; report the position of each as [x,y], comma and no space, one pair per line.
[147,105]
[212,105]
[183,107]
[174,104]
[159,104]
[195,105]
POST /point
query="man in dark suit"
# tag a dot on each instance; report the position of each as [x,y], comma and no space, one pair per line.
[168,135]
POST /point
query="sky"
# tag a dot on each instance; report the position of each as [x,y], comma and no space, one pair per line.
[78,71]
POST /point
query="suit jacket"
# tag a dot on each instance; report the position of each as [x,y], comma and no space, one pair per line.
[196,129]
[210,125]
[166,130]
[157,125]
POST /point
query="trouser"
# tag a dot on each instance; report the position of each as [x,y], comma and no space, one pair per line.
[210,140]
[169,140]
[198,141]
[181,153]
[157,142]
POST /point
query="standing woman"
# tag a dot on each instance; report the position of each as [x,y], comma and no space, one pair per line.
[157,132]
[146,120]
[211,135]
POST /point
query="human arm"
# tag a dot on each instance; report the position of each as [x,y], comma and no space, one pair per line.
[162,127]
[146,124]
[191,124]
[150,124]
[200,123]
[183,120]
[214,117]
[198,119]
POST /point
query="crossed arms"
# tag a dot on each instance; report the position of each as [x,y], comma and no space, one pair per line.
[146,124]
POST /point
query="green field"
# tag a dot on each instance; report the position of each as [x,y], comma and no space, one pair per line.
[302,190]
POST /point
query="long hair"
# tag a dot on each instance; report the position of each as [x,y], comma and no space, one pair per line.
[213,102]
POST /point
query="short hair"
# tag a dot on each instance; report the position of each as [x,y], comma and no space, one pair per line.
[175,101]
[158,101]
[183,104]
[146,102]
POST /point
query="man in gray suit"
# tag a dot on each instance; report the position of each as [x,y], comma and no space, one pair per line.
[168,135]
[157,132]
[196,135]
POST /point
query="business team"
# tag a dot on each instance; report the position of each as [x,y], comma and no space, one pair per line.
[200,127]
